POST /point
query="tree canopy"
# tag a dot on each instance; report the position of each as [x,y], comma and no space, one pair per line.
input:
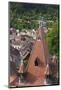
[23,14]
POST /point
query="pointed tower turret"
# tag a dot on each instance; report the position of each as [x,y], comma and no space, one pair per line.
[39,57]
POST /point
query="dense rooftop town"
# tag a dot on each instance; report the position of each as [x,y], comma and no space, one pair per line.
[21,45]
[28,55]
[22,41]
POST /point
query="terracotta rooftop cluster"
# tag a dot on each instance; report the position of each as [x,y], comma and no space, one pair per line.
[20,46]
[22,41]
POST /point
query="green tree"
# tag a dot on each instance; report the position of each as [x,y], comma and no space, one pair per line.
[53,39]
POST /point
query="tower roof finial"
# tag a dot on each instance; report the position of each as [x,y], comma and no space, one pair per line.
[42,22]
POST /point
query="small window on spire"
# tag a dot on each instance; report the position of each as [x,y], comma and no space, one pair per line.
[37,61]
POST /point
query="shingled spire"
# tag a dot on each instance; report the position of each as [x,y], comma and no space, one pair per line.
[39,57]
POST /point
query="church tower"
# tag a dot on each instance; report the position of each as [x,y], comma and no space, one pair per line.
[39,57]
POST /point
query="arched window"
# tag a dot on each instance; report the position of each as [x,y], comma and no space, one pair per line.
[37,62]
